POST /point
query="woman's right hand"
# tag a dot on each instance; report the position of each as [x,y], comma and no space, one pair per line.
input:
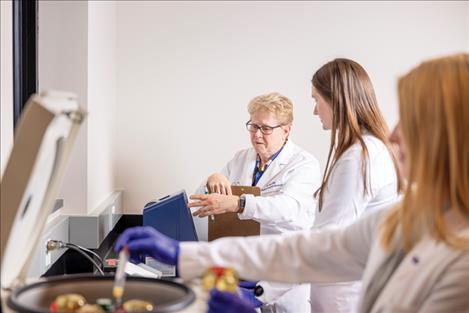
[218,183]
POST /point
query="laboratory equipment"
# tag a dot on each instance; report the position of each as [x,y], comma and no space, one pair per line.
[29,186]
[223,279]
[171,216]
[119,279]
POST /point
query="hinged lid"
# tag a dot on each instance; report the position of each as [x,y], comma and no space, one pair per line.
[31,180]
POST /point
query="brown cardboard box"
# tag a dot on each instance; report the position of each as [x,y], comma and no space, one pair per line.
[228,224]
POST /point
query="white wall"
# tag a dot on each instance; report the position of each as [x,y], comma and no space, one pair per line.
[102,78]
[186,71]
[6,83]
[77,47]
[62,65]
[183,73]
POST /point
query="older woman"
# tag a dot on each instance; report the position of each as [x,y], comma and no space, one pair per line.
[287,176]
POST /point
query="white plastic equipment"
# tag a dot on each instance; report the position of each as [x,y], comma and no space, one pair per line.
[31,180]
[30,184]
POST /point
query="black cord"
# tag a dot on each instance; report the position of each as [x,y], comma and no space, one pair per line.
[68,244]
[73,247]
[57,244]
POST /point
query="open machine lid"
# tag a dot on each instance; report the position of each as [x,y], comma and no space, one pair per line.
[31,180]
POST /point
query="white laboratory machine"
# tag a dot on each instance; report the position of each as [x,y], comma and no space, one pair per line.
[30,184]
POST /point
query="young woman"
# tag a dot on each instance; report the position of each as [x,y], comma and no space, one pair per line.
[412,258]
[361,172]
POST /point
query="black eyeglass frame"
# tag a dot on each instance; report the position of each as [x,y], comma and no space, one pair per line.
[265,129]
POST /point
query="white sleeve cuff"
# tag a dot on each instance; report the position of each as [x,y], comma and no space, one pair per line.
[273,291]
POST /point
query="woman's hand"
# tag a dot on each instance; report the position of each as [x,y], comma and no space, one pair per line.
[226,302]
[218,183]
[213,204]
[148,241]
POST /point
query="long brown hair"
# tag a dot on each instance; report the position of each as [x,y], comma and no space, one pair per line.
[345,85]
[434,122]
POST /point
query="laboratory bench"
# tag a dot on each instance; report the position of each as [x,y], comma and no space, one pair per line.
[73,262]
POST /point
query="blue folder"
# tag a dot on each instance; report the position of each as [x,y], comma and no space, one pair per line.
[171,216]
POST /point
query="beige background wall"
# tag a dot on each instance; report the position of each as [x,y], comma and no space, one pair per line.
[62,65]
[77,52]
[187,70]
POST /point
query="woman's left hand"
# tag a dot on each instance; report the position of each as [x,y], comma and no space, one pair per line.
[214,204]
[226,302]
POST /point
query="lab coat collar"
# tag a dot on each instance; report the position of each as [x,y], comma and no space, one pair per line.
[285,156]
[248,168]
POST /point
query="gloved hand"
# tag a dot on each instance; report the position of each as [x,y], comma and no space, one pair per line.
[249,284]
[246,291]
[148,241]
[227,302]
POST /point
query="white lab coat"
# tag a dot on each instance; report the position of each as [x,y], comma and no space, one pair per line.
[286,204]
[432,278]
[344,202]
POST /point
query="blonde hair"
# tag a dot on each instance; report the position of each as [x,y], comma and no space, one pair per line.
[434,110]
[273,102]
[346,86]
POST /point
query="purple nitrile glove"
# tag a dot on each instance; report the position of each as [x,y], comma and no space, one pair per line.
[246,290]
[248,294]
[227,302]
[249,284]
[148,241]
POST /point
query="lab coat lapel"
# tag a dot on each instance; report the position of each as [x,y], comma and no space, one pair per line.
[415,277]
[248,168]
[418,272]
[277,165]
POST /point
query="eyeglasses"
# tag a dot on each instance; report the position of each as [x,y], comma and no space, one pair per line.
[265,129]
